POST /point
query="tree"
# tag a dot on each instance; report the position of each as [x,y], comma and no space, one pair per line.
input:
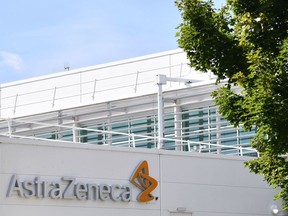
[245,43]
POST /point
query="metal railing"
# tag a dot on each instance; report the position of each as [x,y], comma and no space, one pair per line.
[63,133]
[85,86]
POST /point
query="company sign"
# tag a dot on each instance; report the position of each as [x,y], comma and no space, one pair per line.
[145,182]
[69,188]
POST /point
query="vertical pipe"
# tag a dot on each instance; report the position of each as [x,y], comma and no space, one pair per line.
[160,116]
[133,141]
[177,125]
[209,128]
[129,131]
[109,125]
[218,131]
[60,122]
[155,135]
[189,146]
[76,132]
[9,123]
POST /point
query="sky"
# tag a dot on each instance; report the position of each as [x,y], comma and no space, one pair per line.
[40,37]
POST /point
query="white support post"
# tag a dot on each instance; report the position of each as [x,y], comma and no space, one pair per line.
[162,80]
[109,125]
[189,146]
[76,132]
[177,125]
[218,131]
[9,123]
[60,122]
[241,151]
[160,116]
[133,141]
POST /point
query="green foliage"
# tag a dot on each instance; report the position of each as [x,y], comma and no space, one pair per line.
[246,43]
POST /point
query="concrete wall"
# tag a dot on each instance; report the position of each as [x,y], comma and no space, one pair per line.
[201,184]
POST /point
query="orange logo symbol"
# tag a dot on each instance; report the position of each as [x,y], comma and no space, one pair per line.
[146,183]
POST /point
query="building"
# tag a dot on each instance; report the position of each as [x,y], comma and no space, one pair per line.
[175,154]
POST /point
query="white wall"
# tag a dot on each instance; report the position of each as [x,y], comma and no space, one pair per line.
[100,83]
[203,184]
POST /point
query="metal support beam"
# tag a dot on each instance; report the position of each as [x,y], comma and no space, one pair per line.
[109,125]
[160,116]
[177,125]
[94,89]
[75,130]
[162,80]
[218,131]
[136,83]
[54,97]
[15,104]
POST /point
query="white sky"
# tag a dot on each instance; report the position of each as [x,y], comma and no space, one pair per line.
[41,37]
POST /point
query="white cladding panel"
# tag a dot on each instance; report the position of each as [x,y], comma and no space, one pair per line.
[97,84]
[201,184]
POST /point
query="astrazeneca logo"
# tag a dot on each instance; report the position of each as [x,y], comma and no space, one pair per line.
[70,188]
[144,181]
[67,188]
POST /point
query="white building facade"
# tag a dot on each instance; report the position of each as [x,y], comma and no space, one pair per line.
[59,135]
